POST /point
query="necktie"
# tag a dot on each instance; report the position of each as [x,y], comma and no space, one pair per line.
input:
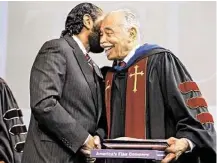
[93,66]
[89,61]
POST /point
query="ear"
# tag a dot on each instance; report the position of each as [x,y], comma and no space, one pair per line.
[87,21]
[133,33]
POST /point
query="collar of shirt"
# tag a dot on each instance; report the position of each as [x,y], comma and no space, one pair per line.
[80,44]
[130,55]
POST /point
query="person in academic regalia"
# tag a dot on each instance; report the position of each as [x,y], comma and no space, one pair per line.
[150,94]
[12,129]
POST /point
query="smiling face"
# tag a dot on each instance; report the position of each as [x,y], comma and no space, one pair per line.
[114,37]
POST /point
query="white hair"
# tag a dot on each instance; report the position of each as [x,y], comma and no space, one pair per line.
[130,20]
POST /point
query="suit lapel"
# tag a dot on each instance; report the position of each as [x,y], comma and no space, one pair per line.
[87,72]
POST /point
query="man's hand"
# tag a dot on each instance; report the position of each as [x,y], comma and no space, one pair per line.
[2,162]
[85,149]
[175,149]
[97,142]
[92,143]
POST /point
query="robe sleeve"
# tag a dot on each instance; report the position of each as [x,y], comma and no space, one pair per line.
[188,106]
[12,129]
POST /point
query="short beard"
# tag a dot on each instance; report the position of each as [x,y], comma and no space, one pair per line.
[94,42]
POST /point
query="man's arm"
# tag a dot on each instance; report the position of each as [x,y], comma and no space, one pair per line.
[46,85]
[102,128]
[102,125]
[188,107]
[101,132]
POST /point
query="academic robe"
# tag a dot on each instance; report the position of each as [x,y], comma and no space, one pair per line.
[154,97]
[12,129]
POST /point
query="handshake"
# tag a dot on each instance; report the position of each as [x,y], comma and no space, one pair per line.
[90,143]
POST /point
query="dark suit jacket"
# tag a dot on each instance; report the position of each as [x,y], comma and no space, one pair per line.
[66,106]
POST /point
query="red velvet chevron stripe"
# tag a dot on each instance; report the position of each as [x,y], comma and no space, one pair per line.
[196,102]
[188,86]
[205,118]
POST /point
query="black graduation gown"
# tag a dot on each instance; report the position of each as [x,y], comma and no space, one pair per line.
[174,106]
[12,129]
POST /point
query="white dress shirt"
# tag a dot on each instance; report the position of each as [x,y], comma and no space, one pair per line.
[130,55]
[80,44]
